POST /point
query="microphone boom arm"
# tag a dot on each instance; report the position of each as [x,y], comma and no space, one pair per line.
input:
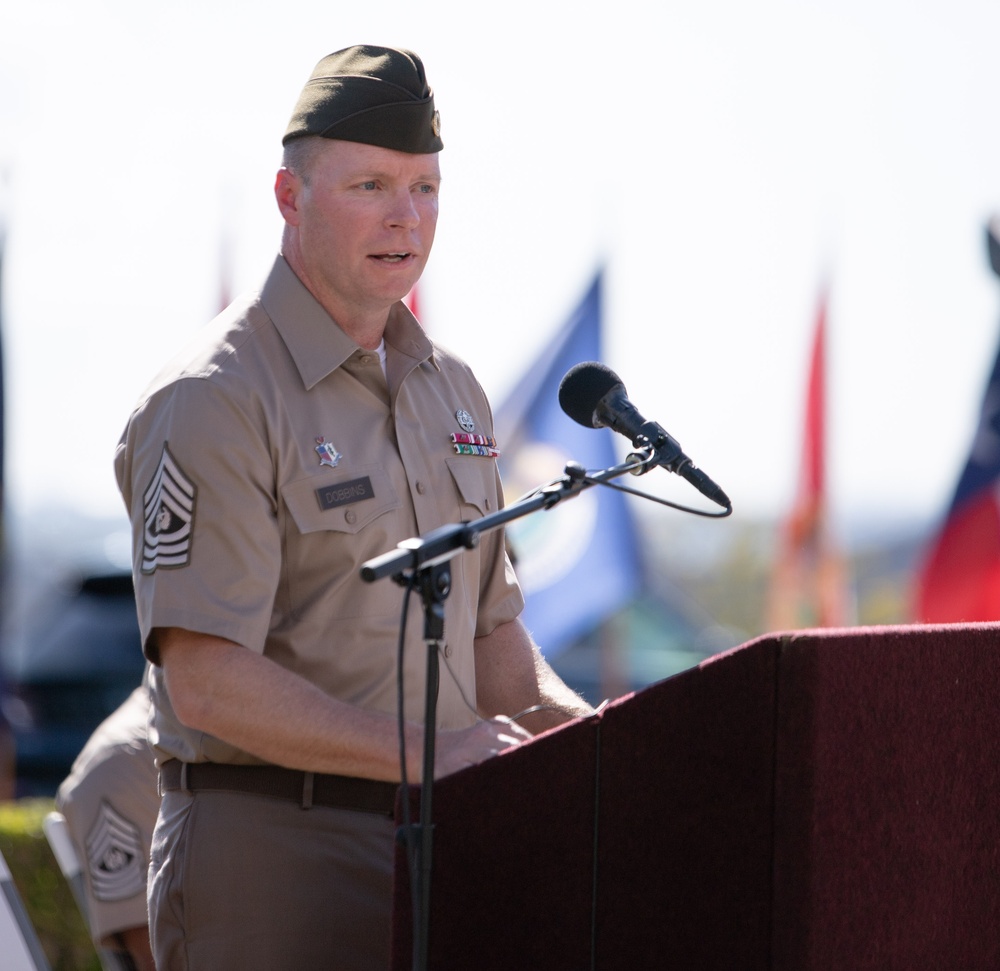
[448,541]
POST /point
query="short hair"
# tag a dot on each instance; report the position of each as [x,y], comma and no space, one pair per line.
[298,154]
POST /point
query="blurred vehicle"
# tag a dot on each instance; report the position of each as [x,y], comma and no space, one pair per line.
[76,658]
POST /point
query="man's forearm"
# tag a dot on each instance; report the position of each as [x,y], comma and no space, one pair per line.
[228,691]
[232,693]
[512,678]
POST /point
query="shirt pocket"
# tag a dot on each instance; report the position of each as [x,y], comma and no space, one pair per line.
[346,503]
[476,481]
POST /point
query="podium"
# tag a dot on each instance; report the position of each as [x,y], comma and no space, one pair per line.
[809,800]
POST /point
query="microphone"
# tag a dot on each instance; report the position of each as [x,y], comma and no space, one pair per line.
[595,397]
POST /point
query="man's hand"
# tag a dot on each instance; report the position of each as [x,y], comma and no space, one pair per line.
[460,748]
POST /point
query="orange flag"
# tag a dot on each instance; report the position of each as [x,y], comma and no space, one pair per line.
[808,585]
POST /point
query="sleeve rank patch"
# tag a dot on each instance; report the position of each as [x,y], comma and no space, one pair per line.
[168,511]
[115,861]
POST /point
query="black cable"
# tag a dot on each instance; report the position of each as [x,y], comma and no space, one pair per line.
[588,477]
[727,511]
[404,785]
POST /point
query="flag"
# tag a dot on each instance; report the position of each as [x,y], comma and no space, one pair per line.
[412,301]
[808,587]
[578,562]
[959,579]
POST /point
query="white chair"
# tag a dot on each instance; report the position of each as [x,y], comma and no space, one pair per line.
[19,944]
[57,833]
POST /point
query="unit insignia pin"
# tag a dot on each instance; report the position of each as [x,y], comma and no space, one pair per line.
[465,421]
[328,454]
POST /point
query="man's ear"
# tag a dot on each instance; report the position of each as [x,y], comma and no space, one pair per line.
[287,186]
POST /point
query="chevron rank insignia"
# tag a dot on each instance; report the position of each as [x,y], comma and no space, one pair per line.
[168,512]
[115,860]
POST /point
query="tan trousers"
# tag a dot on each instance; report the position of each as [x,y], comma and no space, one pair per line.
[251,883]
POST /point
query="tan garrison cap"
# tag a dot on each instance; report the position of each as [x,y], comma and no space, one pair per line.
[375,95]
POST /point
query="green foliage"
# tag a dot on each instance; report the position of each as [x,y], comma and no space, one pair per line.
[45,893]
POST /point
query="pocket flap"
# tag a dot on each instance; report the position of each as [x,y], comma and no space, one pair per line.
[476,481]
[346,502]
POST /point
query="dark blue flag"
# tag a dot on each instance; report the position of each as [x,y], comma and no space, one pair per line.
[960,578]
[578,563]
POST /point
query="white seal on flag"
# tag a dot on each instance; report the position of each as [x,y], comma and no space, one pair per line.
[549,546]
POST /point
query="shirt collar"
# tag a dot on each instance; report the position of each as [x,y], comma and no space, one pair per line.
[317,344]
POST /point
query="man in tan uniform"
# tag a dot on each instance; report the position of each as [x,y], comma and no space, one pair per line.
[311,428]
[110,802]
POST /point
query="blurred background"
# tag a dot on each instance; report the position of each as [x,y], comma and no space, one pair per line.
[785,208]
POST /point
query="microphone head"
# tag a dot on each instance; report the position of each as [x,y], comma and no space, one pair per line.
[583,387]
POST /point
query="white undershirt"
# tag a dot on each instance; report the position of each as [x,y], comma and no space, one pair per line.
[380,350]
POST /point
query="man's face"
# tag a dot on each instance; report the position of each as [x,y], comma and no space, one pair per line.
[364,221]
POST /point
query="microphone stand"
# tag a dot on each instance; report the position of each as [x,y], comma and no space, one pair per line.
[427,559]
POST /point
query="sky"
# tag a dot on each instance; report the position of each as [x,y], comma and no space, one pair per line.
[725,162]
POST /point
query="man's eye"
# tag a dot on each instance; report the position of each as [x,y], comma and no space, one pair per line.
[368,185]
[426,189]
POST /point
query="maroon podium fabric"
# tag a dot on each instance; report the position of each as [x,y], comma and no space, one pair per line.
[817,800]
[887,829]
[512,860]
[684,837]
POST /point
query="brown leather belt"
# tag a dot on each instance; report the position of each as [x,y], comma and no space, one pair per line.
[306,788]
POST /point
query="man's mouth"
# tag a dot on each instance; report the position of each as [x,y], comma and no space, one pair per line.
[391,257]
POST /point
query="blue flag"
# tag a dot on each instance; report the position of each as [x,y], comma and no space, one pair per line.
[960,578]
[578,562]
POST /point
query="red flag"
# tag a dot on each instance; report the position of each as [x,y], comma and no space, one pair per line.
[960,578]
[412,301]
[808,584]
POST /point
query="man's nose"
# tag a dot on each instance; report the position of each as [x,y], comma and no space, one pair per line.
[403,210]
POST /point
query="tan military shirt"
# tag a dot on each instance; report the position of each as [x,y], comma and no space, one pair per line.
[268,462]
[110,801]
